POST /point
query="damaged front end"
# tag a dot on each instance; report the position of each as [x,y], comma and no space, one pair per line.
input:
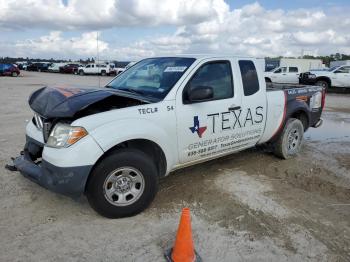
[57,104]
[63,105]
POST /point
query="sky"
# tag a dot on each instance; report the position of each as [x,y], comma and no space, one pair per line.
[134,29]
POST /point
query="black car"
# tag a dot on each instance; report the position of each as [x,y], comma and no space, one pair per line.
[39,67]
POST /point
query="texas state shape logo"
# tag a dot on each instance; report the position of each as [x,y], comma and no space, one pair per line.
[196,127]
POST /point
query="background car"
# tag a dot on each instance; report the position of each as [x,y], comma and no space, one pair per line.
[39,67]
[121,66]
[22,65]
[55,67]
[69,69]
[97,69]
[9,70]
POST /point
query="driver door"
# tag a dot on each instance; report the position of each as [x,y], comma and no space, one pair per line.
[342,77]
[205,128]
[279,75]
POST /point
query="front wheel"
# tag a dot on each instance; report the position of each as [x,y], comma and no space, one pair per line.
[81,72]
[290,140]
[14,74]
[123,184]
[323,84]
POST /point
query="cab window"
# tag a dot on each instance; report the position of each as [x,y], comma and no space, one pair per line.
[281,70]
[217,75]
[293,69]
[344,69]
[250,79]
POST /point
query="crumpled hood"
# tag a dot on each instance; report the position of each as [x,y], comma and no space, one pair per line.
[65,101]
[70,102]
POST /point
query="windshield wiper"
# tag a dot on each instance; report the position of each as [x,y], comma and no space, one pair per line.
[130,90]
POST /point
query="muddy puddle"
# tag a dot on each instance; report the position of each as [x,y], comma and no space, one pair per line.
[335,127]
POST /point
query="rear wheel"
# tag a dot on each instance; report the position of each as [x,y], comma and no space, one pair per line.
[290,140]
[103,73]
[123,184]
[322,83]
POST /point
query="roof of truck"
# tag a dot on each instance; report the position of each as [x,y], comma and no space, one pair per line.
[205,56]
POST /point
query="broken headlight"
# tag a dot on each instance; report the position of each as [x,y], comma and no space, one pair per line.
[64,135]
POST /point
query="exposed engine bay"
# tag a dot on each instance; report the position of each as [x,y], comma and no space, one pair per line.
[61,104]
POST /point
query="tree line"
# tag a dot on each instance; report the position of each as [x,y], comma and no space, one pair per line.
[11,60]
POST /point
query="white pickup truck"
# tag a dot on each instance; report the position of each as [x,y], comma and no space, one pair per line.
[115,143]
[97,69]
[284,74]
[338,76]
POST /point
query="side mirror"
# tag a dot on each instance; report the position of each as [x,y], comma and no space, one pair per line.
[200,94]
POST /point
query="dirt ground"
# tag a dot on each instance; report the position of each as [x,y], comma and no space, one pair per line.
[249,206]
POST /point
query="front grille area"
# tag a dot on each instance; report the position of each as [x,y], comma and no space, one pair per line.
[38,121]
[47,130]
[43,125]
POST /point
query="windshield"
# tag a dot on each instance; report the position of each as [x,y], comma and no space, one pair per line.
[333,68]
[152,77]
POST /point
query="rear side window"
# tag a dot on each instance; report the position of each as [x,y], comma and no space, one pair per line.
[293,70]
[249,77]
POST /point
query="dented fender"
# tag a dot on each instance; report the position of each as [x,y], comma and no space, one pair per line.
[119,131]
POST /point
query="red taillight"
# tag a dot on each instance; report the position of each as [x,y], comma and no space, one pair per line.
[323,98]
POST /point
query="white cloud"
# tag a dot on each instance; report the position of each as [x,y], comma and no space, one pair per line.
[202,26]
[54,45]
[87,14]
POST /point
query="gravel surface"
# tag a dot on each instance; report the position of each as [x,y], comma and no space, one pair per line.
[249,206]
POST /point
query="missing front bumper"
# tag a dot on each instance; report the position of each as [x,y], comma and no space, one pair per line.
[68,181]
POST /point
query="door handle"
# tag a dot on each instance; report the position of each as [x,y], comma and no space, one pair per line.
[233,108]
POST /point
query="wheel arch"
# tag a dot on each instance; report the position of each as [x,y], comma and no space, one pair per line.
[149,147]
[324,78]
[302,115]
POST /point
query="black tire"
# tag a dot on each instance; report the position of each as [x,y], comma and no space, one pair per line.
[103,73]
[81,72]
[290,140]
[125,158]
[39,70]
[322,83]
[14,74]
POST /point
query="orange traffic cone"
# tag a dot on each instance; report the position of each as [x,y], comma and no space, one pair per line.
[183,250]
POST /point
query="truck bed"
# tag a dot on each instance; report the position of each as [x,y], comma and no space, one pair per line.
[275,86]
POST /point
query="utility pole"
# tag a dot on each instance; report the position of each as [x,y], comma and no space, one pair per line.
[98,61]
